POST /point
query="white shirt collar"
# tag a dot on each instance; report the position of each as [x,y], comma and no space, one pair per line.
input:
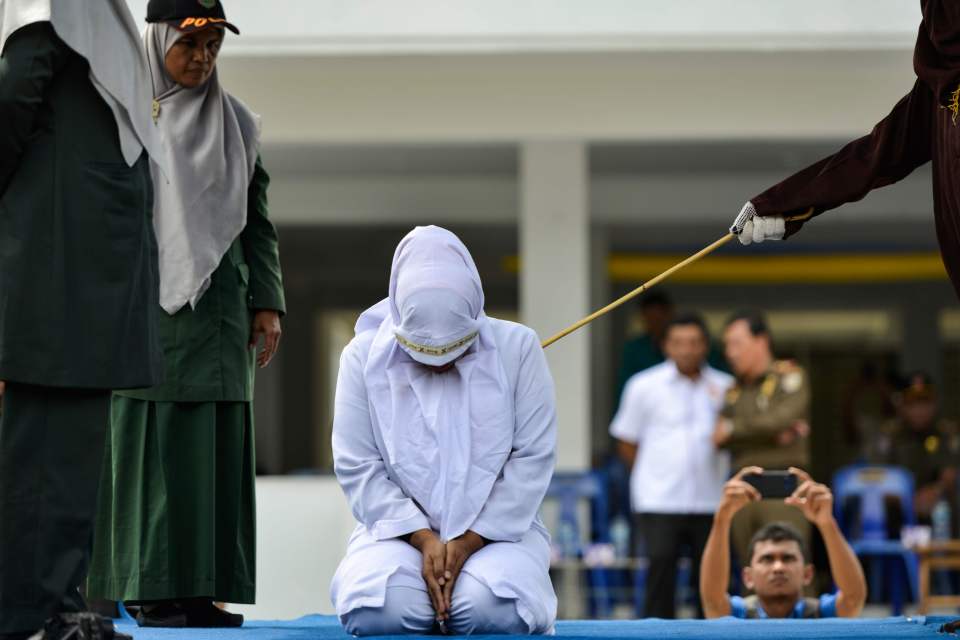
[675,373]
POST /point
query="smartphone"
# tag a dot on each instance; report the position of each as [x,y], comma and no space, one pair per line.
[773,484]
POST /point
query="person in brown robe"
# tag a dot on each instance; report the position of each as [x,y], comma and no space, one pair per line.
[923,126]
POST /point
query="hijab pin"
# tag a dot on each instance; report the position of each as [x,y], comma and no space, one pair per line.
[155,111]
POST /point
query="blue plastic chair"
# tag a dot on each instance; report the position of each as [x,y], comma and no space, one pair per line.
[569,489]
[866,529]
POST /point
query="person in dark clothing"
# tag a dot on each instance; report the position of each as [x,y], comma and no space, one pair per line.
[645,350]
[923,127]
[924,443]
[78,288]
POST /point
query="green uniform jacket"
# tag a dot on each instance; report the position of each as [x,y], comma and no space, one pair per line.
[205,349]
[78,257]
[760,410]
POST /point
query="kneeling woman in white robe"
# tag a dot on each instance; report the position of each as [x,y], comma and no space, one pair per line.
[444,442]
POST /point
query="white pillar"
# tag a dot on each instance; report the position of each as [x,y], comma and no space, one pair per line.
[555,279]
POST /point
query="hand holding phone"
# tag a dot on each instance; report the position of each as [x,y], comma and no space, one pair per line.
[773,484]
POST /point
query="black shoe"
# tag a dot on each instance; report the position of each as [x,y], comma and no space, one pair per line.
[78,626]
[105,608]
[170,615]
[20,635]
[204,613]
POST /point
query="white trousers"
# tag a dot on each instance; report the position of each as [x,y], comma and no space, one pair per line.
[474,609]
[513,572]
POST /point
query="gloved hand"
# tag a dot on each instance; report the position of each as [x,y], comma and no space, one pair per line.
[750,227]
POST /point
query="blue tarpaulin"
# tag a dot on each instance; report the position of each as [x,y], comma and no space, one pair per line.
[327,627]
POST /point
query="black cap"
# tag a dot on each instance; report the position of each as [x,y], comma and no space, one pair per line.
[189,15]
[918,387]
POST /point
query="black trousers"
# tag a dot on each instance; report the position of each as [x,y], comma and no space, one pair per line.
[51,452]
[665,535]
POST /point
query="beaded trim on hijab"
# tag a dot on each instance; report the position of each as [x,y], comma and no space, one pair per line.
[435,351]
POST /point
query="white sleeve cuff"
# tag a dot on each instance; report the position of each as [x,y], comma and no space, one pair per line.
[387,529]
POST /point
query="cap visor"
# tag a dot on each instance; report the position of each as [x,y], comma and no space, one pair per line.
[189,25]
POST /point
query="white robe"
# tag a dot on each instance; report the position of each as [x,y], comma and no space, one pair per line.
[516,565]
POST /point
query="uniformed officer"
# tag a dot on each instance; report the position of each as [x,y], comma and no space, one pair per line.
[78,289]
[177,513]
[764,420]
[923,443]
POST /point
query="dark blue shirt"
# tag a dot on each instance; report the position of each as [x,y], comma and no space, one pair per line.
[828,607]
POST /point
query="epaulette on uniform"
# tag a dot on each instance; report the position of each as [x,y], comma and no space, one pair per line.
[783,367]
[791,375]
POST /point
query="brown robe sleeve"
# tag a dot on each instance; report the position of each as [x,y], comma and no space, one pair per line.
[899,143]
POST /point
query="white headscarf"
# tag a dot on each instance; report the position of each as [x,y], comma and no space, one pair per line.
[447,434]
[103,32]
[211,141]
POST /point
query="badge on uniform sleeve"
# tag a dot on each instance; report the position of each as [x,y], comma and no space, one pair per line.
[792,381]
[767,390]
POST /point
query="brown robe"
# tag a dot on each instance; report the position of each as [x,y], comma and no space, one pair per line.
[923,126]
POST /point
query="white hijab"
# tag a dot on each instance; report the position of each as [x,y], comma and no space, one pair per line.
[103,32]
[447,434]
[211,141]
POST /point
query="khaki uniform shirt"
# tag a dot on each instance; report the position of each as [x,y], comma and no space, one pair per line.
[760,410]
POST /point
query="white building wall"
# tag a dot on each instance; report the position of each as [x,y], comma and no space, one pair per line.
[638,96]
[387,26]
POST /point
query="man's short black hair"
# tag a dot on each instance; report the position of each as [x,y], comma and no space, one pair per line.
[687,319]
[778,532]
[655,299]
[756,321]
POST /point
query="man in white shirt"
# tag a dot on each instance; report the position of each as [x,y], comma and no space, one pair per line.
[664,430]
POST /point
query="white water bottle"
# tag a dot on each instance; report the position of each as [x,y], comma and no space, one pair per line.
[620,536]
[940,519]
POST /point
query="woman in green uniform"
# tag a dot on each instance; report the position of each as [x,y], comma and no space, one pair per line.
[175,531]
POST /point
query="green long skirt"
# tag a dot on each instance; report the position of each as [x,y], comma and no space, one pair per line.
[177,514]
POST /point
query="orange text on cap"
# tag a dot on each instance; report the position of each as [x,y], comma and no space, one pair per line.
[200,22]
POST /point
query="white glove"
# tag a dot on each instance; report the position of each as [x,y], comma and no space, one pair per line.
[750,227]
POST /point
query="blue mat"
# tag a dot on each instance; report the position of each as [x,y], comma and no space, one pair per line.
[324,627]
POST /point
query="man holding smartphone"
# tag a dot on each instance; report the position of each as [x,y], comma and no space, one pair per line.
[779,565]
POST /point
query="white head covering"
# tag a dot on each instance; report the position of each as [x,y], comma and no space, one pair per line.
[447,434]
[437,299]
[103,32]
[211,141]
